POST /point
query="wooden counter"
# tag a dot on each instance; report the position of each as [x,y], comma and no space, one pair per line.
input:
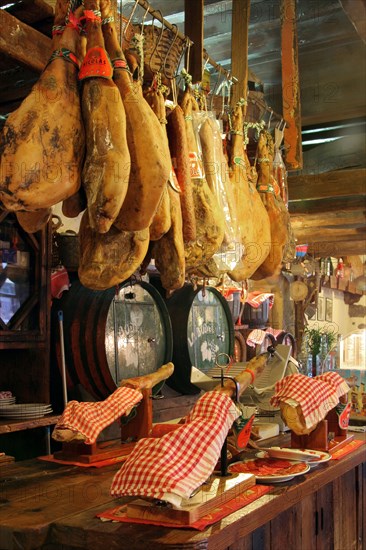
[47,505]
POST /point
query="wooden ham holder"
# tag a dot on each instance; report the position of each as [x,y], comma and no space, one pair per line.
[140,426]
[210,496]
[327,436]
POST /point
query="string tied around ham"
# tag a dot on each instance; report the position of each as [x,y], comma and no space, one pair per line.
[107,20]
[65,54]
[265,188]
[91,15]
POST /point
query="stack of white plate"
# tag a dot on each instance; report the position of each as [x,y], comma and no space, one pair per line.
[5,401]
[25,411]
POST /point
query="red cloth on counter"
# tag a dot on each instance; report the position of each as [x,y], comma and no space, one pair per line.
[316,396]
[173,466]
[119,513]
[91,418]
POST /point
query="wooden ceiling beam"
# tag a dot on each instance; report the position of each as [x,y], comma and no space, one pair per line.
[339,183]
[291,106]
[356,13]
[193,27]
[20,42]
[239,48]
[337,249]
[31,11]
[329,204]
[343,218]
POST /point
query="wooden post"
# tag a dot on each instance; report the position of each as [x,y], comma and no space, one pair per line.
[239,49]
[193,27]
[291,86]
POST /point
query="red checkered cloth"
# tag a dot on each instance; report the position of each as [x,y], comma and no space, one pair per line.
[257,336]
[316,396]
[173,466]
[91,418]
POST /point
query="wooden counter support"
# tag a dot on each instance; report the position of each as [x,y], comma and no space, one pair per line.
[47,505]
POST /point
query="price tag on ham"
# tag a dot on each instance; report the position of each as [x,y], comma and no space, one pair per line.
[96,64]
[196,166]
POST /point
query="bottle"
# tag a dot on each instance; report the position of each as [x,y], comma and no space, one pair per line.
[329,267]
[340,269]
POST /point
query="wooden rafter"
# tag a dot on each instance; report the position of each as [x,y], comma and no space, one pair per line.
[356,13]
[22,43]
[193,27]
[239,48]
[291,86]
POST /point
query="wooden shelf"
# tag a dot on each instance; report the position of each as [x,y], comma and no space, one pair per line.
[7,426]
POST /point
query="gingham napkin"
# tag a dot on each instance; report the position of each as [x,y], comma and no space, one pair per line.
[257,335]
[316,396]
[172,466]
[91,418]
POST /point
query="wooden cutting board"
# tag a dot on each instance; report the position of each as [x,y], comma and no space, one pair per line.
[211,495]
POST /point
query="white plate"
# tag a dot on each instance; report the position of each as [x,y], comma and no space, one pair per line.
[28,416]
[276,478]
[26,407]
[304,455]
[324,458]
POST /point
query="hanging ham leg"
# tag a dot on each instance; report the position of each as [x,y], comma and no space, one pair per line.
[107,163]
[278,215]
[150,158]
[162,219]
[42,144]
[209,222]
[253,221]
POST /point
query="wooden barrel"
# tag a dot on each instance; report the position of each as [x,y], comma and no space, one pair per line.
[113,334]
[202,328]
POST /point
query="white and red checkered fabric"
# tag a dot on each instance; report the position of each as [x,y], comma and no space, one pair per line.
[335,380]
[172,466]
[316,396]
[91,418]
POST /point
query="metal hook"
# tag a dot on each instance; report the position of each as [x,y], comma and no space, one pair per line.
[169,50]
[158,40]
[128,22]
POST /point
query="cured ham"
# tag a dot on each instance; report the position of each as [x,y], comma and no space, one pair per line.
[107,163]
[253,221]
[179,151]
[107,259]
[162,219]
[277,212]
[42,144]
[150,158]
[209,221]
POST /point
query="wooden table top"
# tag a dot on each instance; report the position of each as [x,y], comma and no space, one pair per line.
[44,503]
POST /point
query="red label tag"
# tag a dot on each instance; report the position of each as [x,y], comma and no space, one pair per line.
[96,64]
[244,435]
[343,418]
[196,166]
[174,181]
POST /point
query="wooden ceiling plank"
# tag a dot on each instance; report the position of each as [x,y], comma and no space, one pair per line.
[22,43]
[291,106]
[239,48]
[339,183]
[325,234]
[326,205]
[31,11]
[193,27]
[343,218]
[337,249]
[356,13]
